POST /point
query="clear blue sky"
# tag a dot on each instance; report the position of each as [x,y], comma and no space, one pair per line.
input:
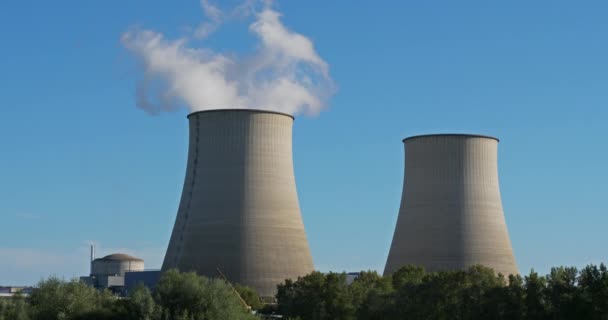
[80,163]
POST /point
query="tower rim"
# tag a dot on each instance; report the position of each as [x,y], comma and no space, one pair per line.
[463,135]
[241,110]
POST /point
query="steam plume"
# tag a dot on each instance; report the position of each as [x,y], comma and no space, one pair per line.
[284,73]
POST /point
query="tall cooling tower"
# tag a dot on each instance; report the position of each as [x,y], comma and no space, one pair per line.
[239,209]
[451,213]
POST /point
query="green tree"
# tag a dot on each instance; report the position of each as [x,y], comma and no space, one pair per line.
[476,293]
[302,297]
[317,297]
[141,305]
[440,295]
[593,283]
[192,297]
[337,298]
[405,300]
[482,293]
[14,308]
[407,275]
[250,296]
[101,314]
[536,297]
[514,298]
[55,299]
[562,292]
[371,295]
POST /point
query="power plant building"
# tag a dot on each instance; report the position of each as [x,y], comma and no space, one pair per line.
[239,212]
[109,271]
[451,214]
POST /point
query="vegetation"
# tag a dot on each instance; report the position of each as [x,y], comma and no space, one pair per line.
[410,293]
[249,296]
[14,308]
[178,296]
[189,296]
[477,293]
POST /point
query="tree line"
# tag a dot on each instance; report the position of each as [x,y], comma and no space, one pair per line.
[409,293]
[476,293]
[177,296]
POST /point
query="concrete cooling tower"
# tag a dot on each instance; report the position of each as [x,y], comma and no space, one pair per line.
[239,210]
[451,213]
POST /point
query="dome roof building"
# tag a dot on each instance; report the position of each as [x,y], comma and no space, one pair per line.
[116,265]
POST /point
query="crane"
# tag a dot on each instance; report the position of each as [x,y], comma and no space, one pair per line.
[248,307]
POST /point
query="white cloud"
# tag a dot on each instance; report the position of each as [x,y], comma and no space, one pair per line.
[284,73]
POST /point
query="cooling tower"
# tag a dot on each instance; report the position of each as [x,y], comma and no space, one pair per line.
[239,210]
[451,213]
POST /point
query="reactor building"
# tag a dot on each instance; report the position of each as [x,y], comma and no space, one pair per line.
[451,214]
[110,271]
[239,213]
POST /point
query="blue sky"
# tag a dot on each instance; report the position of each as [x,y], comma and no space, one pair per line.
[80,163]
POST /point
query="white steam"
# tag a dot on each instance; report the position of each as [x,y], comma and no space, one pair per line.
[284,73]
[214,17]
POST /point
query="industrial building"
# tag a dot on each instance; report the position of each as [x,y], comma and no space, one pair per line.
[239,212]
[451,213]
[110,271]
[147,278]
[10,291]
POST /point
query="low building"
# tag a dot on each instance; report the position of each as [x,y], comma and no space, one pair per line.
[148,278]
[10,291]
[351,277]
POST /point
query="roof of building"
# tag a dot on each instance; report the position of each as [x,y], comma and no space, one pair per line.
[119,257]
[242,110]
[464,135]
